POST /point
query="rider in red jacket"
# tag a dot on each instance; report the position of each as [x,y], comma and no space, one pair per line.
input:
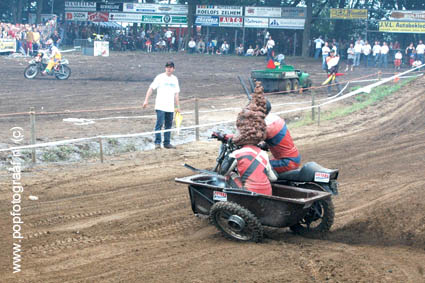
[255,172]
[285,153]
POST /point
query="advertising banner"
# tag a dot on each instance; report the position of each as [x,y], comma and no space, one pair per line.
[231,22]
[125,17]
[102,7]
[262,11]
[402,27]
[101,48]
[294,13]
[98,16]
[407,15]
[349,14]
[147,18]
[256,22]
[212,10]
[7,45]
[207,21]
[76,16]
[80,6]
[155,8]
[286,23]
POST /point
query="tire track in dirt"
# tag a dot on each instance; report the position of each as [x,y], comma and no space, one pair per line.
[154,232]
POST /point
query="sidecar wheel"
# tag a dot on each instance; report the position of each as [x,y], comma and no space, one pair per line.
[319,218]
[31,71]
[236,222]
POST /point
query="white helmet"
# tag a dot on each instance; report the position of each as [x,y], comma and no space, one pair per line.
[49,42]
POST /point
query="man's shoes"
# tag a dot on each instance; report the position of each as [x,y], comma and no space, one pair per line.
[44,73]
[157,146]
[169,146]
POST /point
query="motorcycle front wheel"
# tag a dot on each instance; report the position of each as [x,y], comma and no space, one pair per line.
[63,73]
[31,71]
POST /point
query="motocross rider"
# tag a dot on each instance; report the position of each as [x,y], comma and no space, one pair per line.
[254,171]
[285,154]
[54,56]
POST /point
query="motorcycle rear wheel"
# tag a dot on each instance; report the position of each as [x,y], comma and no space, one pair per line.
[31,71]
[63,73]
[236,222]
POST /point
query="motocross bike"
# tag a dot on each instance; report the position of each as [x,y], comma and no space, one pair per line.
[310,176]
[61,71]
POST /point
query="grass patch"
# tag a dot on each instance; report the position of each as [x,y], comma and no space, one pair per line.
[362,101]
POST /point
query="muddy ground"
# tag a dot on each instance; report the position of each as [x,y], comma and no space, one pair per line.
[127,220]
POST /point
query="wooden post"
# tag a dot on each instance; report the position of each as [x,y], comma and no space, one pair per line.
[197,118]
[312,104]
[101,150]
[32,121]
[318,116]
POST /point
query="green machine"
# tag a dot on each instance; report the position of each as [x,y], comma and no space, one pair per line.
[282,78]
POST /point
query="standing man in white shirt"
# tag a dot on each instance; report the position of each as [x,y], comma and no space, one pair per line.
[376,53]
[167,86]
[367,49]
[318,43]
[420,50]
[270,46]
[384,55]
[325,54]
[358,46]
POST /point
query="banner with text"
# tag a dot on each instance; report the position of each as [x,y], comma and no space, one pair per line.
[211,21]
[402,27]
[256,22]
[263,12]
[212,10]
[80,6]
[407,15]
[155,8]
[231,22]
[286,23]
[349,14]
[294,13]
[147,19]
[76,16]
[7,45]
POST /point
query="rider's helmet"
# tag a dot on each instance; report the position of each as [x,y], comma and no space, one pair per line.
[49,42]
[268,106]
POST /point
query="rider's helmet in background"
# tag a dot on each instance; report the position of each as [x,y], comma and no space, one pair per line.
[268,106]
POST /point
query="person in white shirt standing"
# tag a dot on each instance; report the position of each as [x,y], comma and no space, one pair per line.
[270,45]
[420,50]
[325,54]
[384,55]
[376,53]
[367,49]
[318,44]
[357,53]
[167,86]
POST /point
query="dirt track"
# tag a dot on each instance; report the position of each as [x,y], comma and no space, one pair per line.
[128,221]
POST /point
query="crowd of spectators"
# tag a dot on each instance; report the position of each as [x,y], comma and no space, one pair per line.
[29,38]
[370,54]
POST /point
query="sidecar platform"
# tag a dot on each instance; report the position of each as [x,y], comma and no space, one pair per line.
[286,207]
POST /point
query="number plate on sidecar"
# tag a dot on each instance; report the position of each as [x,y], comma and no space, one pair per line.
[219,196]
[322,177]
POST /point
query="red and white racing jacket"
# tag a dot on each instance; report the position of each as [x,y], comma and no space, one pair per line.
[254,169]
[279,139]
